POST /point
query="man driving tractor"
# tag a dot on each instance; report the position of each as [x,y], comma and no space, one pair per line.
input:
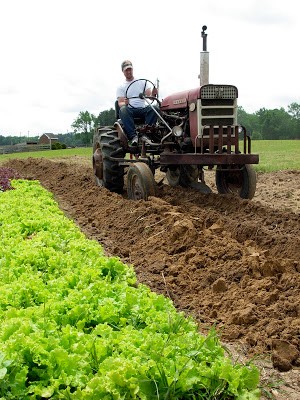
[132,106]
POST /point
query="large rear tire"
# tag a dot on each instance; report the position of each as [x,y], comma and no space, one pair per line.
[140,182]
[108,173]
[241,182]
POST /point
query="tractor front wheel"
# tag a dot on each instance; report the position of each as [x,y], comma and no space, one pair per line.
[240,181]
[140,182]
[173,176]
[183,175]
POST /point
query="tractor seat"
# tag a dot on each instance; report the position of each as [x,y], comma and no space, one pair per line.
[138,120]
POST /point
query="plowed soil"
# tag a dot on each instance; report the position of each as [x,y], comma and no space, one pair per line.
[229,262]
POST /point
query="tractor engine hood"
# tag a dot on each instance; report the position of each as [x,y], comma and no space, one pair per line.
[180,100]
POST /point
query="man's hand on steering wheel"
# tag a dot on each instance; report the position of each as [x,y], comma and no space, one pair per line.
[149,93]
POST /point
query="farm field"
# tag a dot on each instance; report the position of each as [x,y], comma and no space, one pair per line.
[228,262]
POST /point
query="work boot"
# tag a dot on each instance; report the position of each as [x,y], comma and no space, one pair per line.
[134,141]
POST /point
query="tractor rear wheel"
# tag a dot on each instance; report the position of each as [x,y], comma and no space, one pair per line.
[240,181]
[140,182]
[108,173]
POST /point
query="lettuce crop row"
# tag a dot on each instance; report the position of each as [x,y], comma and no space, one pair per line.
[6,174]
[74,324]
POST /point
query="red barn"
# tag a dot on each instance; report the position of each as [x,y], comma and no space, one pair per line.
[48,138]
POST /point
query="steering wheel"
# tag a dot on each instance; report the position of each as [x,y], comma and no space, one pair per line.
[151,98]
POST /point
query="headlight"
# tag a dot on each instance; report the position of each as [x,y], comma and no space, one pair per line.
[177,131]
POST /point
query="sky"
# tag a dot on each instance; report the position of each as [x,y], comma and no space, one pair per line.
[61,57]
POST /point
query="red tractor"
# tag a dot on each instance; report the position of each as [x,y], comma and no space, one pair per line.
[196,129]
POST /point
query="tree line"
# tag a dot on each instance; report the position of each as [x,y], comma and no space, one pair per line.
[277,124]
[264,124]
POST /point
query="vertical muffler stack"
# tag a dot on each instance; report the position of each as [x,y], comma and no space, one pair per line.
[204,59]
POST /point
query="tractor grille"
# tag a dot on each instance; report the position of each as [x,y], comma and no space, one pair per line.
[218,105]
[217,121]
[217,111]
[218,92]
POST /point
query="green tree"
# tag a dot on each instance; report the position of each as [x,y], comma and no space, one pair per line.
[275,124]
[84,125]
[294,110]
[11,140]
[107,117]
[272,124]
[250,122]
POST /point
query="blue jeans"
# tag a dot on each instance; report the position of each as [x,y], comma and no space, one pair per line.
[127,115]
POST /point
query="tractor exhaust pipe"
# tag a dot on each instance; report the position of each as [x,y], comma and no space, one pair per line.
[204,60]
